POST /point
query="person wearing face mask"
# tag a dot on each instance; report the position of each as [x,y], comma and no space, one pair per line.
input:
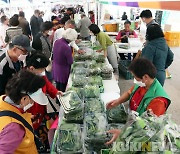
[42,44]
[12,60]
[15,136]
[146,94]
[37,64]
[62,58]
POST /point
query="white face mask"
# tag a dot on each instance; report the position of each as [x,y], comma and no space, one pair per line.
[42,74]
[22,57]
[50,32]
[92,34]
[139,83]
[25,108]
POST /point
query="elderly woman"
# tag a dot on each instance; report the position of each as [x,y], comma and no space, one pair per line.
[62,58]
[16,132]
[106,45]
[146,94]
[157,51]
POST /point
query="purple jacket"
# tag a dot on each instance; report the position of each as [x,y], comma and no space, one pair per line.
[62,60]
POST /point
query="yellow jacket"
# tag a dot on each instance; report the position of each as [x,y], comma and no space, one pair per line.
[27,145]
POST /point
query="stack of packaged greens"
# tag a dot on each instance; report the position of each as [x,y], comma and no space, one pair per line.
[78,80]
[91,91]
[95,127]
[73,107]
[94,105]
[106,72]
[117,114]
[69,139]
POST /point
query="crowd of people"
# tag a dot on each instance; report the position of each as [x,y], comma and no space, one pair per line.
[28,71]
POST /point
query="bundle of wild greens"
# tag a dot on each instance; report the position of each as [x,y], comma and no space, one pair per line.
[69,138]
[106,72]
[95,80]
[78,90]
[94,105]
[90,63]
[95,127]
[80,71]
[78,80]
[71,102]
[99,57]
[91,91]
[117,114]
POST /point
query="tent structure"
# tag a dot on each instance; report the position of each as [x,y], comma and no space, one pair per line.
[153,4]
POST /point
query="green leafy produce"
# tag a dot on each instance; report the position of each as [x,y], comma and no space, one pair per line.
[94,105]
[99,57]
[90,64]
[71,102]
[84,44]
[84,56]
[95,80]
[91,91]
[95,127]
[117,115]
[80,71]
[94,71]
[69,138]
[74,117]
[106,72]
[79,64]
[79,91]
[78,80]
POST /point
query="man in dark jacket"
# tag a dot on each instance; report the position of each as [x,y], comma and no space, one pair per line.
[12,60]
[34,22]
[24,24]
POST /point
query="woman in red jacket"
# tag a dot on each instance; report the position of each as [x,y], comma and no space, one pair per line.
[37,64]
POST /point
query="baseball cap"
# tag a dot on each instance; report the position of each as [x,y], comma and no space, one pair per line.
[39,97]
[22,41]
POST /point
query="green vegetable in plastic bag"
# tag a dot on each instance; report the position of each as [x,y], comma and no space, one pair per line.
[94,105]
[69,138]
[91,91]
[78,80]
[117,115]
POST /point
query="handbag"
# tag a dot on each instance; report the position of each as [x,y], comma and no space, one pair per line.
[39,145]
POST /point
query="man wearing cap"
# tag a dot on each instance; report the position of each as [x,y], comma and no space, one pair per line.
[16,135]
[12,60]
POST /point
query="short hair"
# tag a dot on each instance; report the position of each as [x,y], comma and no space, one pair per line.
[142,66]
[94,29]
[37,60]
[72,22]
[22,83]
[3,19]
[154,31]
[21,14]
[146,14]
[47,25]
[36,12]
[70,9]
[13,21]
[127,22]
[91,12]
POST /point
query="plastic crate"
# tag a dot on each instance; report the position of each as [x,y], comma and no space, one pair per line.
[110,27]
[173,43]
[172,35]
[123,69]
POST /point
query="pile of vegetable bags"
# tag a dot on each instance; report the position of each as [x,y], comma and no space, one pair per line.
[148,134]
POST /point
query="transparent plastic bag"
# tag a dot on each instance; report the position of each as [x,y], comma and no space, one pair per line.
[80,71]
[71,102]
[95,127]
[69,139]
[91,91]
[90,63]
[95,80]
[99,57]
[79,91]
[117,114]
[96,71]
[94,106]
[106,72]
[78,80]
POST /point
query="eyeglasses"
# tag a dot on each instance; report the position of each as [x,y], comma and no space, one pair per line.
[24,51]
